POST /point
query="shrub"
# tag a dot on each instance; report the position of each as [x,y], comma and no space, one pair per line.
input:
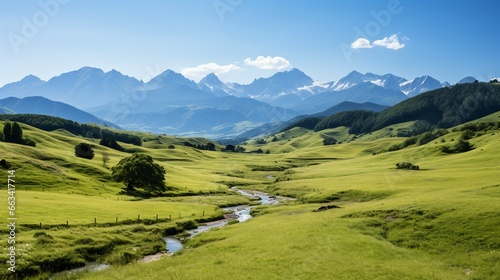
[407,165]
[84,150]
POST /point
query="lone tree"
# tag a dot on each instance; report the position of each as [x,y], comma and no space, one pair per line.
[7,132]
[84,150]
[140,171]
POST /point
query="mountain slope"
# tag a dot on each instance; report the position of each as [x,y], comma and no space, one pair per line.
[43,106]
[82,88]
[420,85]
[361,93]
[445,107]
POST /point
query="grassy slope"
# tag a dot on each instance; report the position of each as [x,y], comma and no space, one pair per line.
[55,187]
[437,223]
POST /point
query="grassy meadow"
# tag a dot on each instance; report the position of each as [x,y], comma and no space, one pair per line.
[440,222]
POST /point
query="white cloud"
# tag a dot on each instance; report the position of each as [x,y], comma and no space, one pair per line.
[268,62]
[391,42]
[361,43]
[205,69]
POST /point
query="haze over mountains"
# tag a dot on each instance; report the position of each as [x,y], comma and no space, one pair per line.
[170,103]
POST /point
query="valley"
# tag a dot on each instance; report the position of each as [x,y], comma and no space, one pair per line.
[354,214]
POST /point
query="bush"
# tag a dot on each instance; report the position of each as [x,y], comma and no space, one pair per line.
[407,165]
[329,141]
[84,150]
[461,146]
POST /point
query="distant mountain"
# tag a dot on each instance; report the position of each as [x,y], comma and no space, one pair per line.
[167,78]
[211,83]
[22,88]
[114,96]
[283,89]
[83,88]
[360,93]
[467,80]
[4,110]
[419,85]
[43,106]
[212,117]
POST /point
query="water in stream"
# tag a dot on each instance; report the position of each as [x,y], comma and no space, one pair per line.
[242,212]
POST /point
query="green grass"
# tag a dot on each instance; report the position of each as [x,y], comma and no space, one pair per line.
[440,222]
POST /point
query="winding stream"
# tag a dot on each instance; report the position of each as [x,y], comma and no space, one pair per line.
[241,213]
[173,244]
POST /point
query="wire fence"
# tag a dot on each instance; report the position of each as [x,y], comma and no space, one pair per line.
[198,217]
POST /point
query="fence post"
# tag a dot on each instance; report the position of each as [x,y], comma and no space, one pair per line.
[116,220]
[179,215]
[67,224]
[156,218]
[203,213]
[138,217]
[40,225]
[170,217]
[95,221]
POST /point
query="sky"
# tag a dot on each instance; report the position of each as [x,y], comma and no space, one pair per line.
[240,40]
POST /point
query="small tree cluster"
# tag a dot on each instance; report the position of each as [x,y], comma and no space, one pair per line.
[260,141]
[329,141]
[208,146]
[13,133]
[407,165]
[235,149]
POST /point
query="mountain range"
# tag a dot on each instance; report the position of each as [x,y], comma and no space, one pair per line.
[171,103]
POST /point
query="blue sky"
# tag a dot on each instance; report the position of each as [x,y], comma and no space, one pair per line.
[245,39]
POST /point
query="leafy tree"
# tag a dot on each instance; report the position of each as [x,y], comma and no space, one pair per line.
[230,148]
[7,132]
[140,171]
[108,140]
[463,146]
[210,146]
[260,141]
[17,133]
[84,150]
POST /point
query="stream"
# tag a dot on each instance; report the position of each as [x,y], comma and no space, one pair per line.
[174,244]
[241,213]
